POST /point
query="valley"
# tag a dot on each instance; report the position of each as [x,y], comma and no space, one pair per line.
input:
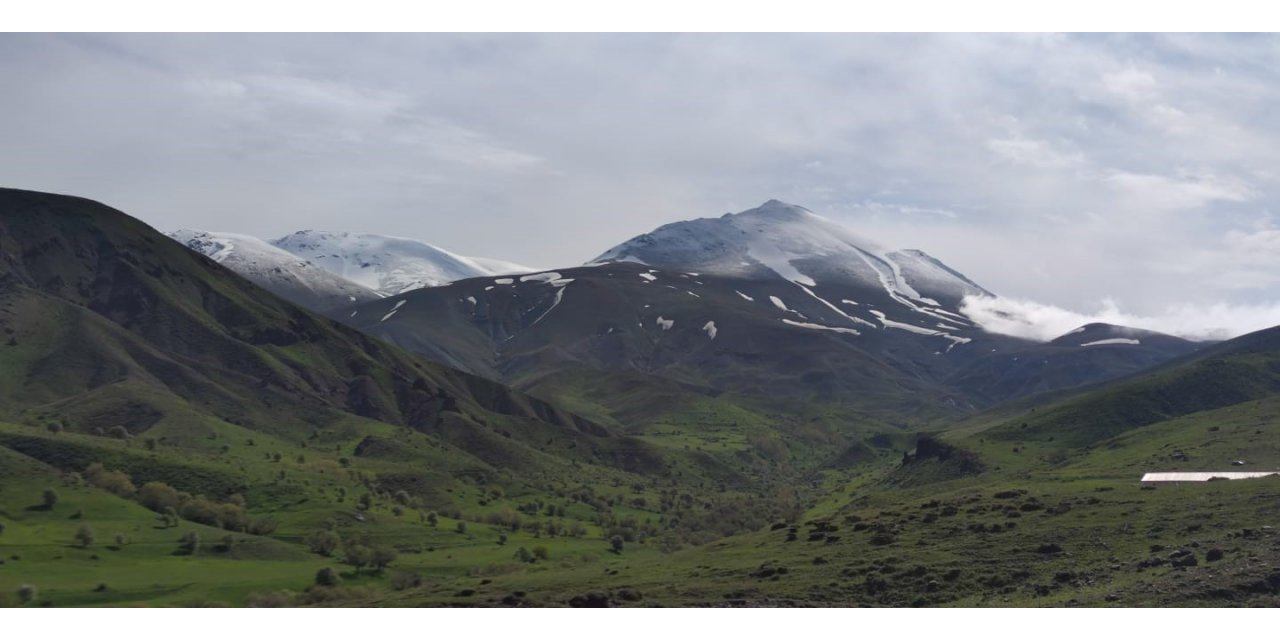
[760,409]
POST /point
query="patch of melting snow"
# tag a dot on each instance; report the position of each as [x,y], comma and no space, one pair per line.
[810,325]
[648,277]
[489,288]
[393,310]
[693,294]
[560,282]
[504,281]
[835,308]
[948,327]
[559,297]
[778,303]
[1111,341]
[847,301]
[353,313]
[665,324]
[744,296]
[710,328]
[546,276]
[472,300]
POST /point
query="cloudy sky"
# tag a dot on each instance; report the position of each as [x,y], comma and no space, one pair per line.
[1129,178]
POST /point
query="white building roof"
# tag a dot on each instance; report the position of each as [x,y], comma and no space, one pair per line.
[1204,476]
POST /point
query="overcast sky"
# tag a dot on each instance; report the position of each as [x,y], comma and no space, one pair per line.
[1126,175]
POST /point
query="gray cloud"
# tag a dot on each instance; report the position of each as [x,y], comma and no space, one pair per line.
[1063,169]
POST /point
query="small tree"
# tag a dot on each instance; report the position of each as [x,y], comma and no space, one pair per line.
[540,553]
[54,427]
[1,528]
[121,540]
[357,555]
[502,539]
[84,535]
[522,554]
[327,577]
[461,527]
[189,543]
[616,543]
[118,432]
[323,542]
[50,498]
[381,556]
[27,593]
[433,519]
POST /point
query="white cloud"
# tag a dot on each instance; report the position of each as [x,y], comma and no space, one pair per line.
[1044,322]
[1035,153]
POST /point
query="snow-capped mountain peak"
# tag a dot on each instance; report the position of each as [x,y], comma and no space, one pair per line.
[783,240]
[285,274]
[387,264]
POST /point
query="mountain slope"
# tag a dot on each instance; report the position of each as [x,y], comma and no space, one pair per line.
[1239,370]
[114,324]
[772,305]
[386,264]
[276,270]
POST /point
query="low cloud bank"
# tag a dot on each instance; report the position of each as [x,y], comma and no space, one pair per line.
[1044,322]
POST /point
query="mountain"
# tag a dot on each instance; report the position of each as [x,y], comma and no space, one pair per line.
[293,278]
[1086,355]
[752,312]
[386,264]
[779,240]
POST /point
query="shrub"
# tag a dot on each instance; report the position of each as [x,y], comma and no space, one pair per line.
[522,554]
[49,498]
[615,543]
[189,543]
[1,528]
[323,542]
[327,577]
[116,482]
[461,527]
[118,432]
[262,526]
[84,535]
[54,427]
[270,600]
[540,553]
[401,580]
[433,519]
[121,539]
[158,496]
[27,593]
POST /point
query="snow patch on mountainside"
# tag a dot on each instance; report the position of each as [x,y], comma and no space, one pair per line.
[822,327]
[1111,341]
